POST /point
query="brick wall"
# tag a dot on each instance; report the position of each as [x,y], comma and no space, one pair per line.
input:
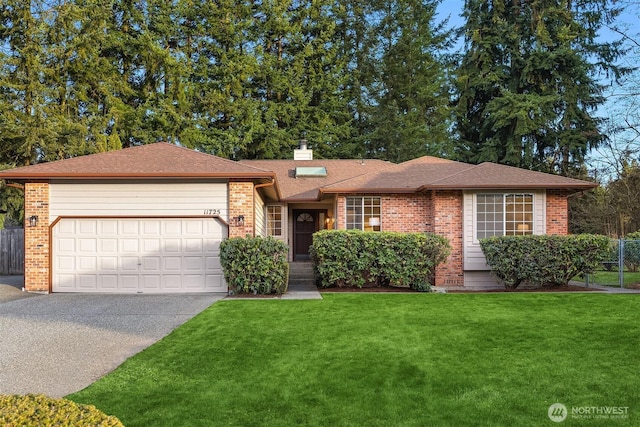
[447,222]
[557,212]
[405,212]
[341,214]
[36,239]
[241,204]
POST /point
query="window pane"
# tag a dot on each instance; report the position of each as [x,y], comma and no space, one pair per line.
[504,214]
[371,208]
[363,213]
[521,221]
[489,217]
[274,220]
[354,213]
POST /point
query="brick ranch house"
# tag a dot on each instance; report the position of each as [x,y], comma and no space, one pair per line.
[149,219]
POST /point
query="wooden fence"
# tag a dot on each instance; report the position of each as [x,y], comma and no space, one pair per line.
[12,251]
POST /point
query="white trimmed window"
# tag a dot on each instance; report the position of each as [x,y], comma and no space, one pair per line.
[363,213]
[504,214]
[274,220]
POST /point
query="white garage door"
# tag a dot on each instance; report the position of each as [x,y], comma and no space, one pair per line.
[159,255]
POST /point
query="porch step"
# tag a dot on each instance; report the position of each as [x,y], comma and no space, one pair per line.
[302,282]
[301,272]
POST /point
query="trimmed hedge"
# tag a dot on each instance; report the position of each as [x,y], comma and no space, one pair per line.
[353,258]
[543,260]
[40,410]
[255,265]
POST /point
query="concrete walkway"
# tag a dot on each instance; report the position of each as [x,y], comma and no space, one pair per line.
[301,290]
[61,343]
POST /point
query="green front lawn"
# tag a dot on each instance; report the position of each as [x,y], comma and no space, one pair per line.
[386,360]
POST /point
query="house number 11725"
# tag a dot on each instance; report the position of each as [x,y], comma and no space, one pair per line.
[212,211]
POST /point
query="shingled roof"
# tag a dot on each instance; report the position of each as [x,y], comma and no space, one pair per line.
[158,160]
[168,161]
[427,173]
[308,188]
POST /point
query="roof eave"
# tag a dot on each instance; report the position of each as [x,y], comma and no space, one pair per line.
[574,187]
[368,190]
[92,176]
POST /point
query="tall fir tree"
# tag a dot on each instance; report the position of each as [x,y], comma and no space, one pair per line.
[409,114]
[528,82]
[24,128]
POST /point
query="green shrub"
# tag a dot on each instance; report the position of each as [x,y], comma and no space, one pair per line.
[353,258]
[40,410]
[543,260]
[255,265]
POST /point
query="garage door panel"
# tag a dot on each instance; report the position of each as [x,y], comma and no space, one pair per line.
[108,227]
[108,264]
[87,281]
[66,246]
[172,263]
[192,228]
[66,282]
[192,245]
[88,227]
[108,282]
[151,264]
[129,228]
[172,228]
[150,227]
[66,227]
[108,245]
[193,281]
[133,255]
[214,283]
[212,246]
[128,282]
[172,281]
[129,263]
[129,245]
[172,245]
[88,245]
[151,245]
[88,263]
[193,264]
[213,263]
[151,282]
[66,263]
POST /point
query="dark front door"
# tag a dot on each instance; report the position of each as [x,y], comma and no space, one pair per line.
[304,225]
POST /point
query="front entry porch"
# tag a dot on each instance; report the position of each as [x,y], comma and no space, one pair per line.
[305,223]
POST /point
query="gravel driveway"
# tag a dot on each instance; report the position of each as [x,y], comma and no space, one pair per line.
[60,343]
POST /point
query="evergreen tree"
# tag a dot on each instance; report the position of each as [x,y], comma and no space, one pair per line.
[299,78]
[23,126]
[410,96]
[527,84]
